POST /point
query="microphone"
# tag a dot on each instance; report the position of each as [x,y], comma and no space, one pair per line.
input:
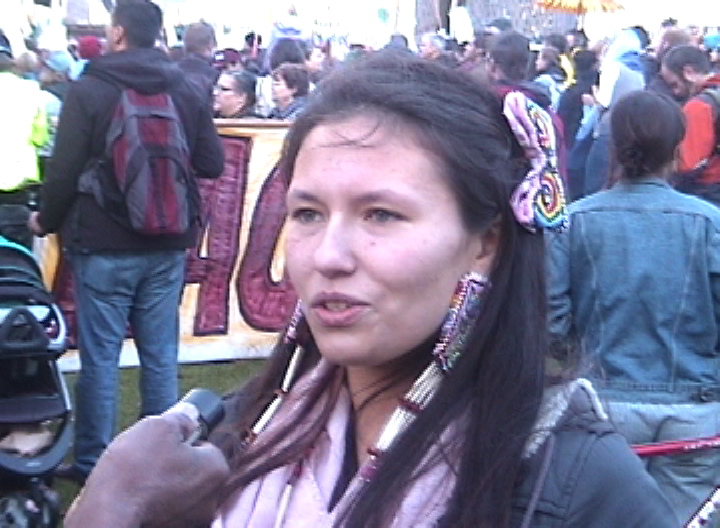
[208,411]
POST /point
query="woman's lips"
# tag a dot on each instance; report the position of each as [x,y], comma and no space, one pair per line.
[337,310]
[338,315]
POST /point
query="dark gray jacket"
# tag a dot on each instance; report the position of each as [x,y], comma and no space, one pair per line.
[584,475]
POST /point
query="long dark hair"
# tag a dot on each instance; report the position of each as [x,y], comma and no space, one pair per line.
[494,392]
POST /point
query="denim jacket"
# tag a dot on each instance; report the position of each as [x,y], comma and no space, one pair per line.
[636,279]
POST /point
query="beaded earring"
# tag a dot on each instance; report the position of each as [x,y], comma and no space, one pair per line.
[464,309]
[290,340]
[291,334]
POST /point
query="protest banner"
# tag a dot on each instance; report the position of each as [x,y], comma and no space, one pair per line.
[236,297]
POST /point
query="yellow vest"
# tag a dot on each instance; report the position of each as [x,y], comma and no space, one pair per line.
[567,66]
[23,128]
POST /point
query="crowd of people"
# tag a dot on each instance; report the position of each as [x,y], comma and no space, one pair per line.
[506,254]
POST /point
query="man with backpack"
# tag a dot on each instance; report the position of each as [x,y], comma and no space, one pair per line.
[686,69]
[133,136]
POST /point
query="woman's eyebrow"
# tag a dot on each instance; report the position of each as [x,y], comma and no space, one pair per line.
[303,196]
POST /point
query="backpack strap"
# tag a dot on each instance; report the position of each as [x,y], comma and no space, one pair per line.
[712,97]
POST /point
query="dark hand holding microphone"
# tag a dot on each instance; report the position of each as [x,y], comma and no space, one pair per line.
[158,473]
[210,413]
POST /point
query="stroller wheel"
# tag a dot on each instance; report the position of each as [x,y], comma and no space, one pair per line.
[28,510]
[13,512]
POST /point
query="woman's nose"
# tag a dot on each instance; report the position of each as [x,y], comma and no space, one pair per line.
[334,254]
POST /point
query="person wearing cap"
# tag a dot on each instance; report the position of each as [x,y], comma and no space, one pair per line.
[229,60]
[24,128]
[88,47]
[54,80]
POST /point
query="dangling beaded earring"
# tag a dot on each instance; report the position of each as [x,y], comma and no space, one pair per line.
[289,378]
[292,329]
[464,309]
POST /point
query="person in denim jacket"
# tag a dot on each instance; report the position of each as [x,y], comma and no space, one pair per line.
[636,280]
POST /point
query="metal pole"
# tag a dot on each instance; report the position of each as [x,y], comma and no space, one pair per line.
[676,447]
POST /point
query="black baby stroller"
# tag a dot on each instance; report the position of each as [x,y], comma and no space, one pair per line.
[35,425]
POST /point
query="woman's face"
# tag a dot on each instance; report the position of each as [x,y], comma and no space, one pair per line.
[226,100]
[540,64]
[375,241]
[282,96]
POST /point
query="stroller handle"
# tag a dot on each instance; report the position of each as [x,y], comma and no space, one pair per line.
[36,340]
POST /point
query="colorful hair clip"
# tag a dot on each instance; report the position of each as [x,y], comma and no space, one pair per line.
[539,200]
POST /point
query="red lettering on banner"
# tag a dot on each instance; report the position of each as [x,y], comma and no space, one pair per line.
[265,304]
[222,210]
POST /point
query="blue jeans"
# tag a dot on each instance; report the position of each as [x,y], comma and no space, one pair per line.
[686,479]
[111,290]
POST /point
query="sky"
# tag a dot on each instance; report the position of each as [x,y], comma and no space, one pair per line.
[649,13]
[359,20]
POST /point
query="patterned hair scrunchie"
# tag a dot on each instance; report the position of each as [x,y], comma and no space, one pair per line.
[539,200]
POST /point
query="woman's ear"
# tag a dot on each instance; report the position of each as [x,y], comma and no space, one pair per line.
[488,246]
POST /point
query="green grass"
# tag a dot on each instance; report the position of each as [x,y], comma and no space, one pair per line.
[219,377]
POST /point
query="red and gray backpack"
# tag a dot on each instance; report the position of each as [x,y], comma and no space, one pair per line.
[144,180]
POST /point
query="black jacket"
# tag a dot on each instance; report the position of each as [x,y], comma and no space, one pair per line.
[584,475]
[58,89]
[570,107]
[200,73]
[85,118]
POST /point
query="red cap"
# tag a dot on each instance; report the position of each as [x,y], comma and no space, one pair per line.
[89,47]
